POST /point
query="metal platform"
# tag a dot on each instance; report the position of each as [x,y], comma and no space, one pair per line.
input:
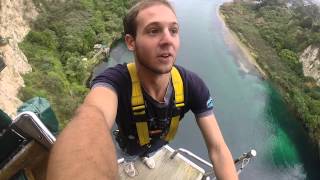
[173,164]
[30,154]
[170,164]
[166,168]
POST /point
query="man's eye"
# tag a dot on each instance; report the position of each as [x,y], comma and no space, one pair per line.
[154,31]
[174,30]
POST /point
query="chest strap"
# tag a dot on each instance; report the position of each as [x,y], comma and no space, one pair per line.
[138,105]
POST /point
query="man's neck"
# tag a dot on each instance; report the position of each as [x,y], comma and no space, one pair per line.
[154,84]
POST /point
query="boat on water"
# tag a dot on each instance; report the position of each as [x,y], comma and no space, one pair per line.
[27,142]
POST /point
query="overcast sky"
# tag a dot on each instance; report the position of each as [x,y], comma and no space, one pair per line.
[316,1]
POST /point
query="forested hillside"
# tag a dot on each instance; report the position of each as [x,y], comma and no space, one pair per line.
[60,49]
[276,32]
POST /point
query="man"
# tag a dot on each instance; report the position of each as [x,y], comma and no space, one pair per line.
[146,99]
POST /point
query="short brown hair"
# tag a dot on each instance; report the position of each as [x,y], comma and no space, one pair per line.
[129,21]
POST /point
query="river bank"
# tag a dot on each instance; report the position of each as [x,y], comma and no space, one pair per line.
[292,86]
[232,37]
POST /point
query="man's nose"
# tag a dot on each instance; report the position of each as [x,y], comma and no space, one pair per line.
[167,37]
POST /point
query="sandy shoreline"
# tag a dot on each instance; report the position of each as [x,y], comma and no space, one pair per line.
[232,36]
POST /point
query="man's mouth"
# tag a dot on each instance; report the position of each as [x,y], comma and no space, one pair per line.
[165,55]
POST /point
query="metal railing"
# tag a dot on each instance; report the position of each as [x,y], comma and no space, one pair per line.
[29,125]
[181,150]
[241,161]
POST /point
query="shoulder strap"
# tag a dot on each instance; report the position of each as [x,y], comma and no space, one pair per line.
[137,101]
[179,103]
[138,107]
[178,87]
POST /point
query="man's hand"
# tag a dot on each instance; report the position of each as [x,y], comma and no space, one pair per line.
[84,149]
[219,153]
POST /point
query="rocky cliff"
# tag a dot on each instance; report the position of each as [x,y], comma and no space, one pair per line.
[15,19]
[310,59]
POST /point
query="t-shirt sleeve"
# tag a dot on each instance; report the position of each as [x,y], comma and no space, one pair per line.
[113,78]
[200,100]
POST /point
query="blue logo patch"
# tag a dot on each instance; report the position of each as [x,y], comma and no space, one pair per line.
[210,103]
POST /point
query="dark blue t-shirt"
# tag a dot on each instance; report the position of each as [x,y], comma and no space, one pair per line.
[196,98]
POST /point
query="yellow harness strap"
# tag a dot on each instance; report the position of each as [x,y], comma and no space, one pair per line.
[137,104]
[179,98]
[137,97]
[138,107]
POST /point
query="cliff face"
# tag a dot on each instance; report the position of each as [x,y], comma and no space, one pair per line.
[310,59]
[15,18]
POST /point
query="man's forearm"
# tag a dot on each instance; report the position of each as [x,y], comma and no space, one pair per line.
[223,164]
[84,150]
[218,151]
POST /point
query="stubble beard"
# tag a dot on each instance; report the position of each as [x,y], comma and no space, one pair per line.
[149,67]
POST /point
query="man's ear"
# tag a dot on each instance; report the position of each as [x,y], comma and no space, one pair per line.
[130,42]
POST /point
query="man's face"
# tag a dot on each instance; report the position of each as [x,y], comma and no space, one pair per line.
[157,39]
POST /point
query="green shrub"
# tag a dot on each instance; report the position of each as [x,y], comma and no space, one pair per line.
[60,49]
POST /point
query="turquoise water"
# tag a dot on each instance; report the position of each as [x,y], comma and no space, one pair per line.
[250,112]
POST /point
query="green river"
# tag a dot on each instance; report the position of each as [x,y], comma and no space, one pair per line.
[250,112]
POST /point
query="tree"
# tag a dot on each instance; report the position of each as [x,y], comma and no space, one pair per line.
[75,69]
[292,60]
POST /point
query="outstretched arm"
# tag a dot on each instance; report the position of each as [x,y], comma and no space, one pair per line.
[218,151]
[84,149]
